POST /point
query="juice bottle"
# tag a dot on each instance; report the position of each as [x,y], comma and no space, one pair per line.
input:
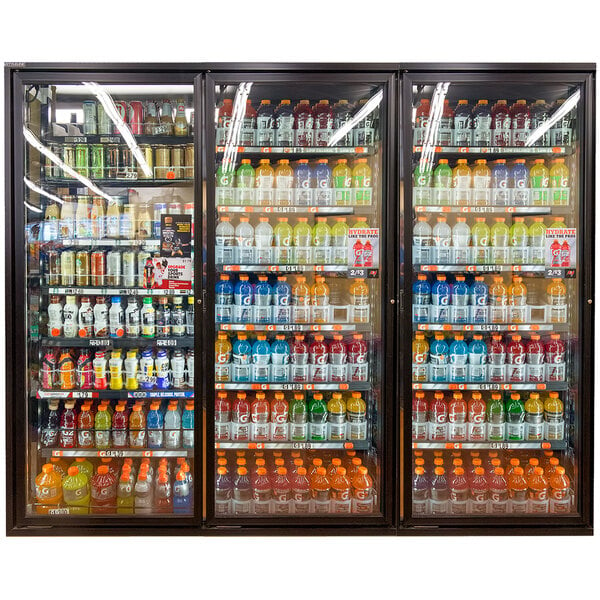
[113,219]
[499,235]
[48,490]
[119,427]
[102,424]
[480,238]
[342,182]
[97,220]
[559,182]
[420,352]
[540,178]
[76,492]
[85,427]
[361,182]
[359,301]
[537,241]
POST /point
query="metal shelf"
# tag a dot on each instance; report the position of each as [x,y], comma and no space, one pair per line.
[116,452]
[342,270]
[112,394]
[322,210]
[105,291]
[306,445]
[508,150]
[482,268]
[507,445]
[89,242]
[118,183]
[510,327]
[316,387]
[518,210]
[170,140]
[170,342]
[302,150]
[489,386]
[340,327]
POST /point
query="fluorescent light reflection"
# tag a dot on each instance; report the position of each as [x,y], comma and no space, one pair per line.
[31,139]
[367,109]
[35,188]
[566,107]
[115,117]
[436,109]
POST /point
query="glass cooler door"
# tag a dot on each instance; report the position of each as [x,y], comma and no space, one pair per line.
[109,252]
[295,205]
[497,399]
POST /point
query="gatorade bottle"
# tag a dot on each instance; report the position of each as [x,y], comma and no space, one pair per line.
[356,415]
[48,490]
[362,492]
[264,183]
[85,467]
[422,242]
[555,359]
[517,491]
[244,179]
[249,126]
[499,236]
[361,182]
[540,179]
[517,300]
[439,492]
[440,300]
[359,301]
[515,418]
[554,417]
[419,417]
[519,238]
[336,407]
[284,182]
[480,236]
[438,418]
[461,182]
[223,492]
[482,124]
[477,429]
[538,491]
[559,182]
[537,241]
[303,183]
[318,359]
[556,299]
[263,239]
[265,124]
[459,353]
[137,427]
[339,237]
[320,488]
[461,239]
[477,360]
[222,358]
[421,121]
[420,492]
[284,124]
[482,177]
[342,183]
[539,113]
[439,359]
[478,492]
[420,353]
[444,132]
[515,358]
[302,237]
[560,492]
[498,492]
[317,418]
[298,418]
[224,121]
[103,491]
[323,123]
[500,183]
[442,182]
[497,360]
[457,418]
[520,181]
[501,122]
[479,297]
[421,299]
[498,301]
[463,124]
[321,241]
[242,492]
[495,416]
[535,360]
[442,238]
[520,118]
[304,124]
[340,492]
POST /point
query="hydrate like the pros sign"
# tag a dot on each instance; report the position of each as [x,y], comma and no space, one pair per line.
[561,247]
[363,247]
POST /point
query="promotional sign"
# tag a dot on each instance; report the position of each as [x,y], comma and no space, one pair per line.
[176,235]
[561,248]
[169,273]
[363,247]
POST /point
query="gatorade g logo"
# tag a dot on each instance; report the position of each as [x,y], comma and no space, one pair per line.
[320,359]
[564,182]
[72,496]
[477,417]
[538,495]
[444,300]
[558,358]
[323,183]
[282,300]
[421,180]
[222,358]
[478,496]
[440,417]
[246,300]
[242,417]
[285,241]
[481,301]
[342,495]
[362,494]
[225,180]
[280,418]
[102,493]
[45,493]
[560,494]
[518,359]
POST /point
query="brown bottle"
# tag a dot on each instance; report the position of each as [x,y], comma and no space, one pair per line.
[166,118]
[151,120]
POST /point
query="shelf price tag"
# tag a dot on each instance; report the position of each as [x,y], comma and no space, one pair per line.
[301,445]
[453,446]
[100,342]
[499,445]
[58,511]
[111,453]
[166,342]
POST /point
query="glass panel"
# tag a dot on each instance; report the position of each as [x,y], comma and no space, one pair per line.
[298,362]
[109,262]
[495,306]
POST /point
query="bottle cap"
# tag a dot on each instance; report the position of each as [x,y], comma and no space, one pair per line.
[102,469]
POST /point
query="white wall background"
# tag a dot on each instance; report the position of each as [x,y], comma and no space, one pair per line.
[297,30]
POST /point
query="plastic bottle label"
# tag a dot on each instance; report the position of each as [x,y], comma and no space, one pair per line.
[477,432]
[260,432]
[357,431]
[298,432]
[317,431]
[438,431]
[515,431]
[555,430]
[496,432]
[457,432]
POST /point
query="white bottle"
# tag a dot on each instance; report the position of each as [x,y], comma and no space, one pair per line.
[143,494]
[132,318]
[224,242]
[442,236]
[83,228]
[116,318]
[190,368]
[178,369]
[422,242]
[263,238]
[172,428]
[148,318]
[100,318]
[244,237]
[55,317]
[85,318]
[70,317]
[461,238]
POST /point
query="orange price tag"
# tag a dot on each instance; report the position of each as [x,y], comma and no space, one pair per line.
[171,175]
[546,445]
[344,386]
[348,445]
[540,386]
